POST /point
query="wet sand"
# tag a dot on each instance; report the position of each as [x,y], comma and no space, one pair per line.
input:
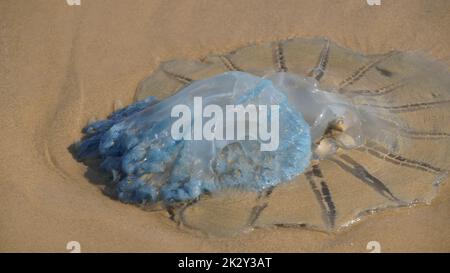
[61,65]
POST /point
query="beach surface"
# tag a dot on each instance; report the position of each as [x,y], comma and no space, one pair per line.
[61,65]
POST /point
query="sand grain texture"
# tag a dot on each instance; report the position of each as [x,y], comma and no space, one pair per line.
[60,65]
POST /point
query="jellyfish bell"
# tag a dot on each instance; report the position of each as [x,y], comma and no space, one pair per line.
[357,134]
[149,141]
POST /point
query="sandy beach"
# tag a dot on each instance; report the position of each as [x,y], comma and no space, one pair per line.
[61,65]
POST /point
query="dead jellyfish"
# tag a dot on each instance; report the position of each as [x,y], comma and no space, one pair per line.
[300,133]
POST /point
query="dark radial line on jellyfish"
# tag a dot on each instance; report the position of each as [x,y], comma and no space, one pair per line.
[357,170]
[424,135]
[407,107]
[257,210]
[360,72]
[301,226]
[380,152]
[323,195]
[292,225]
[377,92]
[180,78]
[319,197]
[279,58]
[326,194]
[384,72]
[228,63]
[322,62]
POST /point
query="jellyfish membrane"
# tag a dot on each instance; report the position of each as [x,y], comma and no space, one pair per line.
[357,134]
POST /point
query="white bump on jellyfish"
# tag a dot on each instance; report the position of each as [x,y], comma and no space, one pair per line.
[325,148]
[379,125]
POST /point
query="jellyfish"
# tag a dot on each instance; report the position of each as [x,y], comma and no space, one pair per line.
[348,135]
